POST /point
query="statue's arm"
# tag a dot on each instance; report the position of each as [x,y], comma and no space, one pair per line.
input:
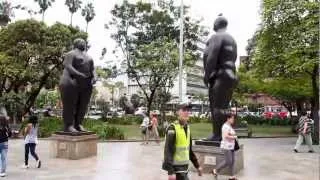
[68,66]
[213,50]
[93,72]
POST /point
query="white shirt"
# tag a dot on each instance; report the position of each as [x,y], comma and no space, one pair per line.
[227,143]
[145,122]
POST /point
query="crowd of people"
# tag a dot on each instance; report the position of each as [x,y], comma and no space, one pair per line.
[30,133]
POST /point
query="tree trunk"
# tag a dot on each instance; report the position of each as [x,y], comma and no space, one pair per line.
[71,19]
[150,100]
[33,96]
[43,16]
[299,107]
[87,27]
[315,103]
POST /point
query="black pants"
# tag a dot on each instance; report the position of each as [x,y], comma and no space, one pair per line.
[30,147]
[182,176]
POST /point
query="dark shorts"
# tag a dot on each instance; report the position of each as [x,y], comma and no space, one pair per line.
[144,130]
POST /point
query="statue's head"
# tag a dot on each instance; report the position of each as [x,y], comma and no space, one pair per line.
[79,44]
[220,23]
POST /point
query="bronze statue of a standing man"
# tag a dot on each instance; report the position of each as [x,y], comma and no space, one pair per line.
[220,73]
[76,86]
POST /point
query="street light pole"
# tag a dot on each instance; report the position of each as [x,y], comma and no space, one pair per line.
[181,51]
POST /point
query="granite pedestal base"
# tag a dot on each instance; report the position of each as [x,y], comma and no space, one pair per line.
[73,145]
[210,156]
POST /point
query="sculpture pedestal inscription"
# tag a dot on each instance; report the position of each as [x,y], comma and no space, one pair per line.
[210,156]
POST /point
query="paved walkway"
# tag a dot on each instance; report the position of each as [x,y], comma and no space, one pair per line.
[265,159]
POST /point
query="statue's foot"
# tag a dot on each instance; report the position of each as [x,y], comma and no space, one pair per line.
[80,128]
[71,129]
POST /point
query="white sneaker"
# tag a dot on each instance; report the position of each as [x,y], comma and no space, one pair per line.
[25,166]
[2,174]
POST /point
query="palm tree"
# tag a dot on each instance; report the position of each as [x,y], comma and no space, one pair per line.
[6,12]
[44,5]
[88,13]
[73,5]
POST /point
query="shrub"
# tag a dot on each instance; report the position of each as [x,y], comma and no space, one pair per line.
[49,125]
[126,120]
[171,119]
[162,131]
[103,130]
[195,119]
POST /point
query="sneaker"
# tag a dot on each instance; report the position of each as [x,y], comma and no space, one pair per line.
[25,166]
[2,174]
[38,164]
[296,151]
[311,151]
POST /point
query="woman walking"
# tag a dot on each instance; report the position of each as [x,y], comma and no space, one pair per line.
[31,141]
[228,145]
[5,133]
[144,128]
[154,123]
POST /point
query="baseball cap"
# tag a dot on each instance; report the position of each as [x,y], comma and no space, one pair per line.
[184,106]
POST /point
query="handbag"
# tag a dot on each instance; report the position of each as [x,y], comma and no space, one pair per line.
[236,145]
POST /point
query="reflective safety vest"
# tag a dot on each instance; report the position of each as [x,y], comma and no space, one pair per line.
[182,146]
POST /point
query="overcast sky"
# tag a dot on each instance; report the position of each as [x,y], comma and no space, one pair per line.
[243,17]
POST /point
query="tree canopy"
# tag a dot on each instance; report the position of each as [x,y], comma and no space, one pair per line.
[31,56]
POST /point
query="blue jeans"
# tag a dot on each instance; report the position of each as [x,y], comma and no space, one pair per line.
[3,153]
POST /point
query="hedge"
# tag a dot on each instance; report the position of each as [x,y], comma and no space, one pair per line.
[49,125]
[125,120]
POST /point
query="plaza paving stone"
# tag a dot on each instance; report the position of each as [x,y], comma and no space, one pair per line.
[265,159]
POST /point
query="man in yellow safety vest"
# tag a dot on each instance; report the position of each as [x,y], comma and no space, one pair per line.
[178,147]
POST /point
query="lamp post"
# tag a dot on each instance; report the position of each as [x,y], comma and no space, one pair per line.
[181,51]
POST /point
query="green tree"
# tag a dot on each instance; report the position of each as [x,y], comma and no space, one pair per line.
[47,98]
[31,56]
[122,102]
[44,5]
[7,12]
[103,73]
[292,93]
[74,6]
[135,100]
[156,67]
[142,29]
[88,13]
[103,106]
[287,45]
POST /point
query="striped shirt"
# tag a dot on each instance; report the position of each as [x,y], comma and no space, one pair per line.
[302,120]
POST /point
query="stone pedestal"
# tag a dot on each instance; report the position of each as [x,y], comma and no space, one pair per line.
[210,156]
[73,145]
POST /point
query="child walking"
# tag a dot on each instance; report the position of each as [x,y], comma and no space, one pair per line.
[31,141]
[5,133]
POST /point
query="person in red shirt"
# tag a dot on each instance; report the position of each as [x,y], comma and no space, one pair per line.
[154,130]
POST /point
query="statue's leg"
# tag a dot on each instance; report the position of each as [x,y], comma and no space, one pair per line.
[69,98]
[82,108]
[220,95]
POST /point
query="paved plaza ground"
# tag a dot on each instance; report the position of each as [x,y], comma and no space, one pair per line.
[265,159]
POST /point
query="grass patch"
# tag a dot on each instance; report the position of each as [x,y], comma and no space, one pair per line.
[203,130]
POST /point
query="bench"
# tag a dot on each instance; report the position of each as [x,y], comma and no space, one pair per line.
[243,132]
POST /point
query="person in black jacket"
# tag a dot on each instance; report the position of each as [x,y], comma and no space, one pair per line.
[5,133]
